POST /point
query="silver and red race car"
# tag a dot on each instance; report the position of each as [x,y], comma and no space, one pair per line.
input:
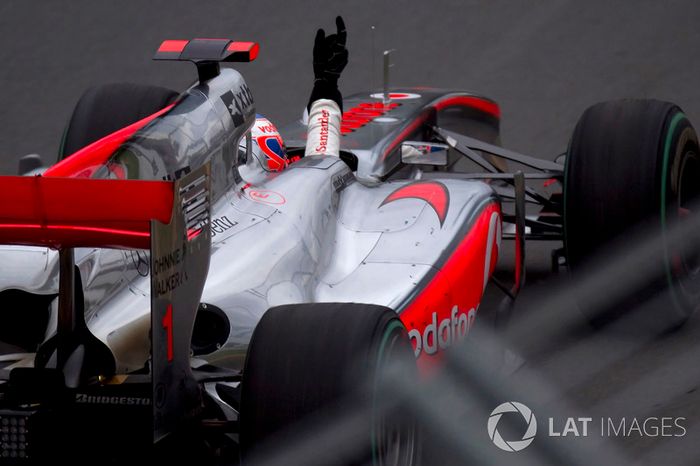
[163,292]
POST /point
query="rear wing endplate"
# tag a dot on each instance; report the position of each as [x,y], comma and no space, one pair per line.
[179,264]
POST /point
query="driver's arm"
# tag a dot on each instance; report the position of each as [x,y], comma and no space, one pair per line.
[326,102]
[323,134]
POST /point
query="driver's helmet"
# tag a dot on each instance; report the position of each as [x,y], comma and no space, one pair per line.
[267,145]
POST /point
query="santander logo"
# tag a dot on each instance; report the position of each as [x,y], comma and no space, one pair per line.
[323,140]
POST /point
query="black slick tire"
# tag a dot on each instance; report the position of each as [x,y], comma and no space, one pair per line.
[105,109]
[311,362]
[632,170]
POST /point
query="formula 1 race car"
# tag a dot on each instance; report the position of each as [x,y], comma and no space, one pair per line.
[163,293]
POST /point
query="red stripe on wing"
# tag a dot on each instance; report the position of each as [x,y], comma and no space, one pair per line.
[478,103]
[75,212]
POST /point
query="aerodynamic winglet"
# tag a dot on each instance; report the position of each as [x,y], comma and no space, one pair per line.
[207,53]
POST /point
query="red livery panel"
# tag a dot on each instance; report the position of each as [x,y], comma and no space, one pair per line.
[446,308]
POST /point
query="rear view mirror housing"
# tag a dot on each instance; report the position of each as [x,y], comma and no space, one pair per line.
[424,153]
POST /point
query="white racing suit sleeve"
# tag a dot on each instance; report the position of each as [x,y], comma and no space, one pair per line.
[323,133]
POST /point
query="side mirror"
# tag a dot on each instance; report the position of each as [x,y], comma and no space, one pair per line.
[424,153]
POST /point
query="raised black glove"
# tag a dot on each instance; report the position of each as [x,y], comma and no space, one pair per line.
[330,58]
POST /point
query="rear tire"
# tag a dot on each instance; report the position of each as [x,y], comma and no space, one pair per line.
[314,360]
[633,165]
[105,109]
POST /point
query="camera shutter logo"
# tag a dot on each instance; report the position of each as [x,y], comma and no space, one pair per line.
[514,445]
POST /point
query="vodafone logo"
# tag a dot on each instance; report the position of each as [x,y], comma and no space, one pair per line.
[442,336]
[267,127]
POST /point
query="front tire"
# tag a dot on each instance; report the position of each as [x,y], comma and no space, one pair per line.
[633,166]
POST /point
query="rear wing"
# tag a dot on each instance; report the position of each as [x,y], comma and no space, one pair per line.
[77,212]
[172,219]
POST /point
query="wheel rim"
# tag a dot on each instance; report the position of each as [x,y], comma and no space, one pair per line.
[686,263]
[678,280]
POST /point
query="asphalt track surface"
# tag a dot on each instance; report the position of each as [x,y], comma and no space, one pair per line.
[543,61]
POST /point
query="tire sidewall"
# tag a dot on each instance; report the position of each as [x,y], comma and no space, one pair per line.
[680,144]
[393,348]
[354,373]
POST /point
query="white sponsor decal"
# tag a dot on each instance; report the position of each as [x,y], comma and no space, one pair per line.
[111,400]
